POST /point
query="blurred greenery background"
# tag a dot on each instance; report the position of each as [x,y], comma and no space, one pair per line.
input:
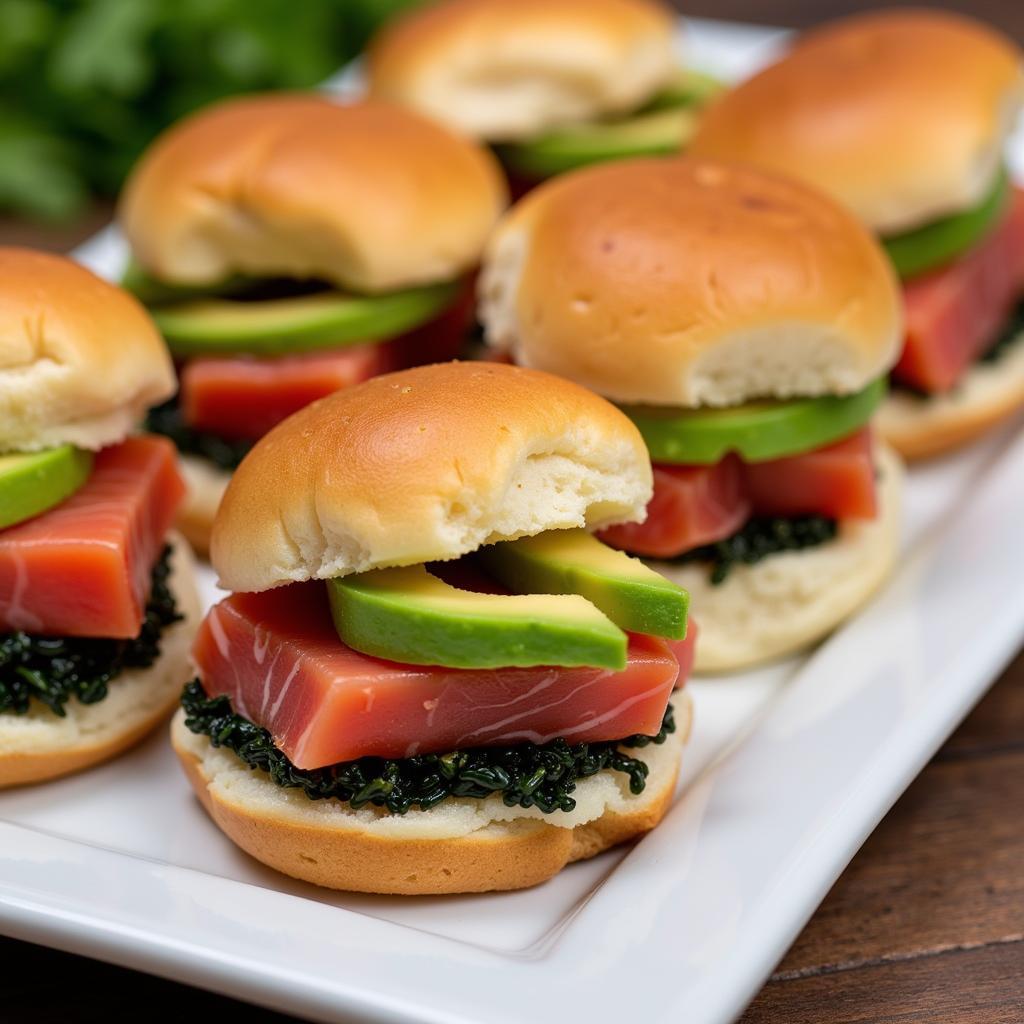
[85,84]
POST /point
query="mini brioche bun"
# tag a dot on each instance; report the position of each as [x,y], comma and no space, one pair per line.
[989,393]
[80,360]
[462,845]
[793,599]
[367,195]
[205,485]
[501,71]
[690,282]
[39,745]
[423,465]
[901,115]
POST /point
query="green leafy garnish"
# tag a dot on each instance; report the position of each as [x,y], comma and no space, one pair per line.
[526,775]
[54,669]
[759,538]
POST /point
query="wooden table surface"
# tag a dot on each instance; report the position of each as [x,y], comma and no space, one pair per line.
[925,925]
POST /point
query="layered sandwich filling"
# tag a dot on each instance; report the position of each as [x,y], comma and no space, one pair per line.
[250,352]
[660,127]
[736,485]
[516,671]
[84,566]
[963,280]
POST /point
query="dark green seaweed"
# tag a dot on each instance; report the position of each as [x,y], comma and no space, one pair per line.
[526,775]
[54,669]
[167,420]
[759,538]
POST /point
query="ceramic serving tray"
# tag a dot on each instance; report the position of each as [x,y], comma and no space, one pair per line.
[788,770]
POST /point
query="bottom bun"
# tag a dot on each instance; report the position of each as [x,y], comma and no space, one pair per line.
[920,427]
[462,845]
[39,745]
[790,600]
[206,484]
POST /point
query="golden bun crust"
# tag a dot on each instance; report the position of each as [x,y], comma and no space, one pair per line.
[423,465]
[40,746]
[80,360]
[367,195]
[690,282]
[794,599]
[919,428]
[901,115]
[509,69]
[456,847]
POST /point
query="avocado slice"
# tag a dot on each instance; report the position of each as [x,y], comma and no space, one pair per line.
[688,88]
[942,240]
[32,482]
[660,128]
[408,615]
[151,291]
[331,319]
[632,595]
[657,133]
[756,431]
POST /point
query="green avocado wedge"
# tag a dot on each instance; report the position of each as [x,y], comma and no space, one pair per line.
[151,291]
[756,431]
[660,128]
[408,615]
[32,482]
[943,240]
[657,133]
[633,596]
[303,323]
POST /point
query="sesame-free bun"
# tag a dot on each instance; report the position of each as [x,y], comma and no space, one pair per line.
[690,282]
[39,745]
[462,845]
[509,69]
[793,599]
[423,465]
[922,426]
[368,196]
[205,484]
[901,115]
[80,360]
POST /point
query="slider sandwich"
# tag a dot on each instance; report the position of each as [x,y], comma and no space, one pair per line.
[903,116]
[288,246]
[430,677]
[97,600]
[746,324]
[555,84]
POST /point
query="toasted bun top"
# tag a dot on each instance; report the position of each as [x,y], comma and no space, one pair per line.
[509,69]
[690,282]
[80,360]
[424,465]
[901,115]
[367,195]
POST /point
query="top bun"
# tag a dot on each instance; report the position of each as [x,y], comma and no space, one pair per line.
[689,282]
[80,360]
[510,69]
[425,465]
[368,196]
[901,115]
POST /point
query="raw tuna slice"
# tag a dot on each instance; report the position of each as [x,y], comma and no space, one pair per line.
[243,397]
[83,568]
[837,481]
[692,506]
[954,314]
[278,658]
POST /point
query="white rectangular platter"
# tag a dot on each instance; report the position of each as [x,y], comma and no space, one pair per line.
[788,771]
